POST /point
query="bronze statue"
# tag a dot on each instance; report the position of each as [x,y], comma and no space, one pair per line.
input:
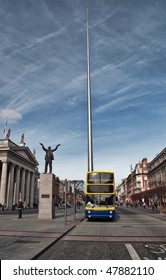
[49,157]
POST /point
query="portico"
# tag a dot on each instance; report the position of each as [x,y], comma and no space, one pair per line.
[18,172]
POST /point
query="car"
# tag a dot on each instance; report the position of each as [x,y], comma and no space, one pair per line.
[68,205]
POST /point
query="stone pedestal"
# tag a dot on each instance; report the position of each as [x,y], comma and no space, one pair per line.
[47,196]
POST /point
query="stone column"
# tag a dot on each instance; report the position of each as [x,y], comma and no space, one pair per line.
[27,189]
[22,195]
[17,187]
[3,182]
[32,190]
[47,196]
[10,192]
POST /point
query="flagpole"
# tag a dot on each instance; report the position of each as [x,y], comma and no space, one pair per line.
[89,109]
[5,129]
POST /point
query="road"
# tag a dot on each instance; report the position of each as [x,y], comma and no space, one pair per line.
[137,234]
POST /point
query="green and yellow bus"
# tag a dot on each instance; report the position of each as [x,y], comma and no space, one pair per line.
[100,195]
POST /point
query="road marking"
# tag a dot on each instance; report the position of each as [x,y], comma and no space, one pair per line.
[132,252]
[157,249]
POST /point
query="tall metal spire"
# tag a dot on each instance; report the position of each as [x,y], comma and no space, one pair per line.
[89,110]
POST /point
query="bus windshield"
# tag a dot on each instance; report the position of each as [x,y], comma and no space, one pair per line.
[93,200]
[100,189]
[100,178]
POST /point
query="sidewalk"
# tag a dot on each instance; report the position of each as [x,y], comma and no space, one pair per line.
[26,238]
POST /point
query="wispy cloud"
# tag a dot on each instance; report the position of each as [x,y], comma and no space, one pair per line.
[47,37]
[10,115]
[105,18]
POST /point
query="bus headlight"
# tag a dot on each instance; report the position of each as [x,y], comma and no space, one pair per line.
[111,212]
[89,212]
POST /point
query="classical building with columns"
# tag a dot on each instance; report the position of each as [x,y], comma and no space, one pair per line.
[18,174]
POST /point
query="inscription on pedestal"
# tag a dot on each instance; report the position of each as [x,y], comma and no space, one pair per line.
[45,196]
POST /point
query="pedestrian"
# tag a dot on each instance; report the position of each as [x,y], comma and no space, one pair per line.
[152,205]
[144,204]
[20,208]
[78,205]
[155,205]
[13,206]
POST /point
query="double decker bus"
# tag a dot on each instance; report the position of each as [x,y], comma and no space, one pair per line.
[100,195]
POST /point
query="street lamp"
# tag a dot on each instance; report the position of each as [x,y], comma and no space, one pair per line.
[76,185]
[66,187]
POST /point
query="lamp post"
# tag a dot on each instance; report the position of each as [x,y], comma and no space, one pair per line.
[132,181]
[74,191]
[65,216]
[76,185]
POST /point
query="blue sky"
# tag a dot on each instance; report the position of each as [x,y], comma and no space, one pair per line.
[43,80]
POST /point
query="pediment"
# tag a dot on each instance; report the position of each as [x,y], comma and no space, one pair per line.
[25,152]
[10,149]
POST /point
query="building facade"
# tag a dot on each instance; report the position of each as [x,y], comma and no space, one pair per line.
[157,179]
[18,174]
[157,171]
[137,181]
[146,183]
[121,192]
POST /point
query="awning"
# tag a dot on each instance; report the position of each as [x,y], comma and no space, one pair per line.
[151,193]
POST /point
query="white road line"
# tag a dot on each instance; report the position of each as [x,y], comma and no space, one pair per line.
[132,252]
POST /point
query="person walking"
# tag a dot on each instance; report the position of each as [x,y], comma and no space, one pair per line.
[20,208]
[155,206]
